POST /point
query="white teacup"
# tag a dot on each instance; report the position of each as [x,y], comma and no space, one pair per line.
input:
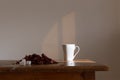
[70,51]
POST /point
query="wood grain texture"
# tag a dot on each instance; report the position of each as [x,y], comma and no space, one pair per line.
[77,66]
[88,75]
[41,76]
[60,71]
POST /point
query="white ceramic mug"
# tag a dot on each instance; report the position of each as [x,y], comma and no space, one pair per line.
[70,51]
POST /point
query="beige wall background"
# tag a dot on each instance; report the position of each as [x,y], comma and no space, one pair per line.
[42,26]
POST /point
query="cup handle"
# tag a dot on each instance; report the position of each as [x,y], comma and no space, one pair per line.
[77,51]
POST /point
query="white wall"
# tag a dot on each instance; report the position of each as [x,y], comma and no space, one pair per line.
[28,26]
[99,35]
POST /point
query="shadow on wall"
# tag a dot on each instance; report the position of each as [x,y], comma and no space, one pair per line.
[28,26]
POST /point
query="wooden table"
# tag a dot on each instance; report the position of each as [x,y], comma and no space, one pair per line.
[78,70]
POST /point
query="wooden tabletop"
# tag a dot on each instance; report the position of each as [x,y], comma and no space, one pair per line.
[61,66]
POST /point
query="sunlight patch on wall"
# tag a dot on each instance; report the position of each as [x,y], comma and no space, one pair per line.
[68,28]
[49,45]
[61,32]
